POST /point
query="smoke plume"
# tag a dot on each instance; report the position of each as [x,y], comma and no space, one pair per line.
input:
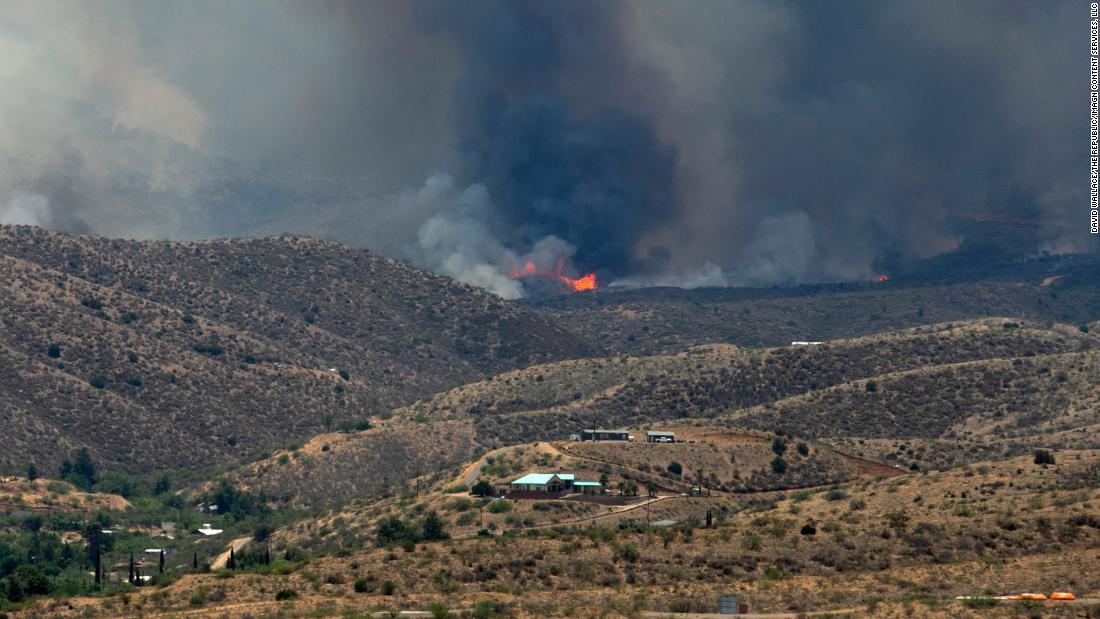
[709,142]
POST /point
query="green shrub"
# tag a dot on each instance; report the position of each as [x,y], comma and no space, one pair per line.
[389,587]
[499,507]
[362,585]
[779,465]
[286,594]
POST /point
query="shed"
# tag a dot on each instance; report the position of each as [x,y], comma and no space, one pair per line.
[660,437]
[605,435]
[588,487]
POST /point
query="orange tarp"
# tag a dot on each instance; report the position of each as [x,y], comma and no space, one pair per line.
[1062,595]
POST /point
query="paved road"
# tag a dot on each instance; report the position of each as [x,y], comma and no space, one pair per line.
[221,560]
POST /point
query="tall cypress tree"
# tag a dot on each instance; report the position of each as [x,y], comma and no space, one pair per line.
[195,561]
[161,561]
[98,567]
[232,558]
[131,577]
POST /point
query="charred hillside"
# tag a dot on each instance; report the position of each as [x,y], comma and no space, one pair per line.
[156,354]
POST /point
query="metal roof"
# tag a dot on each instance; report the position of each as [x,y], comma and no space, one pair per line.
[539,479]
[659,433]
[586,483]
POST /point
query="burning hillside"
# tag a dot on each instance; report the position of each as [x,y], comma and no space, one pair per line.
[579,284]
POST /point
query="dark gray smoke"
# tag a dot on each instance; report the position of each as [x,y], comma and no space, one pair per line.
[701,142]
[554,118]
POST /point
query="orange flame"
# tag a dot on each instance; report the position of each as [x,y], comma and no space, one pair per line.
[883,278]
[585,282]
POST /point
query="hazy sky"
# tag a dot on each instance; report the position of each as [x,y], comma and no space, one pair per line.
[659,140]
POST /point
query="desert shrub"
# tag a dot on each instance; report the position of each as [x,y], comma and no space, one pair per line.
[499,507]
[214,350]
[776,572]
[458,505]
[433,528]
[980,602]
[348,426]
[439,611]
[779,446]
[675,468]
[392,531]
[389,587]
[286,594]
[751,541]
[1044,456]
[484,610]
[779,465]
[362,585]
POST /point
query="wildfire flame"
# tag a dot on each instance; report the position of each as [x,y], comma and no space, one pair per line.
[584,282]
[884,278]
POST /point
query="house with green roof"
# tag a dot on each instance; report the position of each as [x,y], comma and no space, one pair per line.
[550,485]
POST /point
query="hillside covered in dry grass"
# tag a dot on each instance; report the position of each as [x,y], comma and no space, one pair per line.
[160,354]
[900,547]
[727,387]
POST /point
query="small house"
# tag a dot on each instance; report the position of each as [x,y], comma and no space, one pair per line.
[660,437]
[605,435]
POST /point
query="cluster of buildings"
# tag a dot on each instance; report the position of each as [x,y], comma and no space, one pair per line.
[651,436]
[555,485]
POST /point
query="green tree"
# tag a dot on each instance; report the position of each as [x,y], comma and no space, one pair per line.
[32,472]
[779,465]
[483,488]
[163,484]
[15,589]
[84,469]
[433,527]
[779,446]
[675,468]
[803,449]
[392,531]
[1044,456]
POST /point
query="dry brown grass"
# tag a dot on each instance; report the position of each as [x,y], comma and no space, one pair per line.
[997,528]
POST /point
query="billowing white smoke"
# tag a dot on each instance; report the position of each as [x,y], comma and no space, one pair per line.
[26,209]
[455,238]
